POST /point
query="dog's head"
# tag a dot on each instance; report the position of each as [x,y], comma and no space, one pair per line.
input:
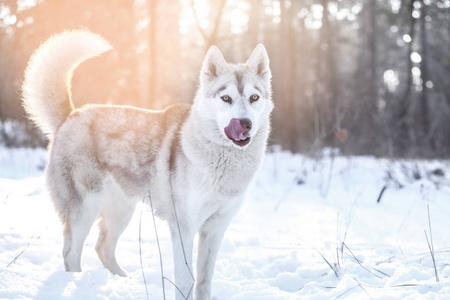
[236,99]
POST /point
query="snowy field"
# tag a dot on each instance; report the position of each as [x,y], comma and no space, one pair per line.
[310,229]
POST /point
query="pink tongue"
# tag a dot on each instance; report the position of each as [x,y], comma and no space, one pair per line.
[235,131]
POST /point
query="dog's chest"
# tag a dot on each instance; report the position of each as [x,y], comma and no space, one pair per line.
[227,173]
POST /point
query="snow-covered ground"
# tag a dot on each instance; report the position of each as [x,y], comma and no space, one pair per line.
[310,229]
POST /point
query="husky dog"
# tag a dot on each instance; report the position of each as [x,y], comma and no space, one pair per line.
[195,161]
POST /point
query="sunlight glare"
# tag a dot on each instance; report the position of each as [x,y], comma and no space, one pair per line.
[416,72]
[417,80]
[395,6]
[416,58]
[314,18]
[201,8]
[317,11]
[333,8]
[390,79]
[407,38]
[25,4]
[238,20]
[276,11]
[356,9]
[187,20]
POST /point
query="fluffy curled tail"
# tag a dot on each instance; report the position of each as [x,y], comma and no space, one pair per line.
[46,88]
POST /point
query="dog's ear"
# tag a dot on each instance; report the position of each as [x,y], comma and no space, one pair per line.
[213,65]
[259,61]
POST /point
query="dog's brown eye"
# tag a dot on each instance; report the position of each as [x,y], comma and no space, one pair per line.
[226,99]
[254,98]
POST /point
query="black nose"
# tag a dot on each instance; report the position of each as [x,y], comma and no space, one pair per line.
[246,123]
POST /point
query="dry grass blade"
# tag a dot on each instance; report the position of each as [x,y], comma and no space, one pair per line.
[430,244]
[140,248]
[329,264]
[405,285]
[159,247]
[387,275]
[359,262]
[381,193]
[184,252]
[18,255]
[360,285]
[177,288]
[348,219]
[346,291]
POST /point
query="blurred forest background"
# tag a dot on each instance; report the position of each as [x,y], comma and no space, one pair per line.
[362,76]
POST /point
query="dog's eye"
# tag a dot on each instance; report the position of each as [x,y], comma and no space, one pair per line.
[226,99]
[254,98]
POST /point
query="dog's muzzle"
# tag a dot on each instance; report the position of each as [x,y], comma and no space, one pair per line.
[238,131]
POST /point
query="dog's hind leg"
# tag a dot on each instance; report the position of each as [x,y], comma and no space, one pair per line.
[114,219]
[76,228]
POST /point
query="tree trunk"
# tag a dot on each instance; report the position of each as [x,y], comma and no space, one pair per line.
[424,109]
[331,76]
[368,94]
[325,86]
[402,138]
[210,39]
[153,54]
[373,56]
[287,73]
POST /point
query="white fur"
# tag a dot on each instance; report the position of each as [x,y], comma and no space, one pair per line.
[52,65]
[104,159]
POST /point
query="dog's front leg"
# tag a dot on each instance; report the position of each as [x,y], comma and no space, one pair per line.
[210,239]
[182,243]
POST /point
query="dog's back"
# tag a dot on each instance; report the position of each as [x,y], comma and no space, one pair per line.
[121,141]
